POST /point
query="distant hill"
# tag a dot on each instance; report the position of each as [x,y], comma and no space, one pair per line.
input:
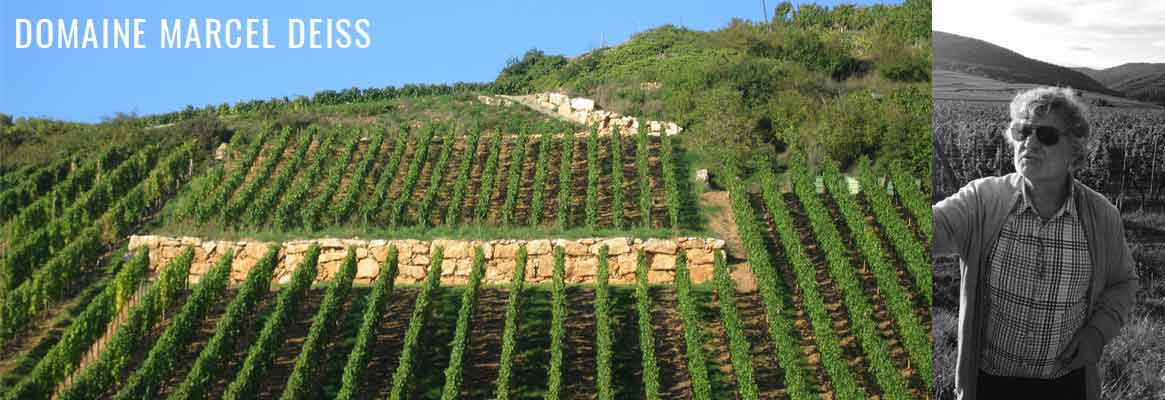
[1141,81]
[976,57]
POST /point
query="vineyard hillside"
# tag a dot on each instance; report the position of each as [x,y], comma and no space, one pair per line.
[663,219]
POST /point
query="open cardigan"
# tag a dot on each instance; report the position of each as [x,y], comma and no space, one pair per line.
[967,225]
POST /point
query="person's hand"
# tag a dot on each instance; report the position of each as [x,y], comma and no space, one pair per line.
[1083,349]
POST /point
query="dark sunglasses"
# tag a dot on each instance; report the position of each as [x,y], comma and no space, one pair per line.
[1047,135]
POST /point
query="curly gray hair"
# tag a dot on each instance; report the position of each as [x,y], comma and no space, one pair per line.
[1064,103]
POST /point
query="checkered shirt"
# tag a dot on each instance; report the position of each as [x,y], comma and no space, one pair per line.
[1037,285]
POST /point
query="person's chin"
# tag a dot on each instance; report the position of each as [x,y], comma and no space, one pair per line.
[1028,171]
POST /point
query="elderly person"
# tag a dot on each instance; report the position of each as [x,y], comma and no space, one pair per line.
[1047,277]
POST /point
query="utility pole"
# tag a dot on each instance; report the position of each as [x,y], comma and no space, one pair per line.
[765,8]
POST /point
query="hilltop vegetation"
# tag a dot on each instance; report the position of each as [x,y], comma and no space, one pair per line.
[840,82]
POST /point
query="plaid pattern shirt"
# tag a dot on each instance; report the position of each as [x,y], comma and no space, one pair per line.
[1038,283]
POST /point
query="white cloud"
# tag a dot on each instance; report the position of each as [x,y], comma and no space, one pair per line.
[1097,34]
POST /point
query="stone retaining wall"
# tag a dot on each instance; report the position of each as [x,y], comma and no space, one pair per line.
[586,112]
[413,255]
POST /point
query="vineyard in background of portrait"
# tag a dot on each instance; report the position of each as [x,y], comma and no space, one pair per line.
[1126,164]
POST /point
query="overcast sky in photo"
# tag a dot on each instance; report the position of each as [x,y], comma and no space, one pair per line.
[1074,33]
[412,42]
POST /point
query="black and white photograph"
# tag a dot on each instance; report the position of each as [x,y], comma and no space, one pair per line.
[1049,199]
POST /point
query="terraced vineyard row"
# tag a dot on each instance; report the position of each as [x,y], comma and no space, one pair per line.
[674,340]
[845,311]
[319,178]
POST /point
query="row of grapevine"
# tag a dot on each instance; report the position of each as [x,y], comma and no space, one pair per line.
[200,188]
[860,311]
[287,214]
[671,183]
[763,267]
[617,195]
[33,186]
[105,373]
[426,206]
[592,199]
[510,331]
[51,282]
[12,177]
[557,326]
[453,372]
[233,210]
[221,344]
[397,210]
[9,176]
[513,179]
[343,209]
[210,206]
[917,339]
[402,378]
[39,217]
[257,211]
[843,378]
[378,297]
[262,352]
[465,166]
[538,203]
[646,334]
[642,165]
[163,357]
[62,359]
[318,208]
[564,179]
[323,324]
[603,336]
[894,228]
[912,197]
[738,344]
[488,176]
[34,236]
[55,202]
[374,205]
[693,332]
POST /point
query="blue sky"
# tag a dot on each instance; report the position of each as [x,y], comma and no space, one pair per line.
[412,42]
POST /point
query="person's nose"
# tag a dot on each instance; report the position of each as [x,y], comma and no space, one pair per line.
[1031,141]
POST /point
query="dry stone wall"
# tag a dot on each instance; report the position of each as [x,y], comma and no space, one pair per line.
[586,112]
[581,260]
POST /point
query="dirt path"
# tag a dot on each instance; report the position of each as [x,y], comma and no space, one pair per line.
[533,351]
[627,360]
[485,344]
[767,371]
[242,343]
[670,350]
[385,351]
[272,384]
[579,344]
[434,347]
[199,340]
[722,223]
[716,352]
